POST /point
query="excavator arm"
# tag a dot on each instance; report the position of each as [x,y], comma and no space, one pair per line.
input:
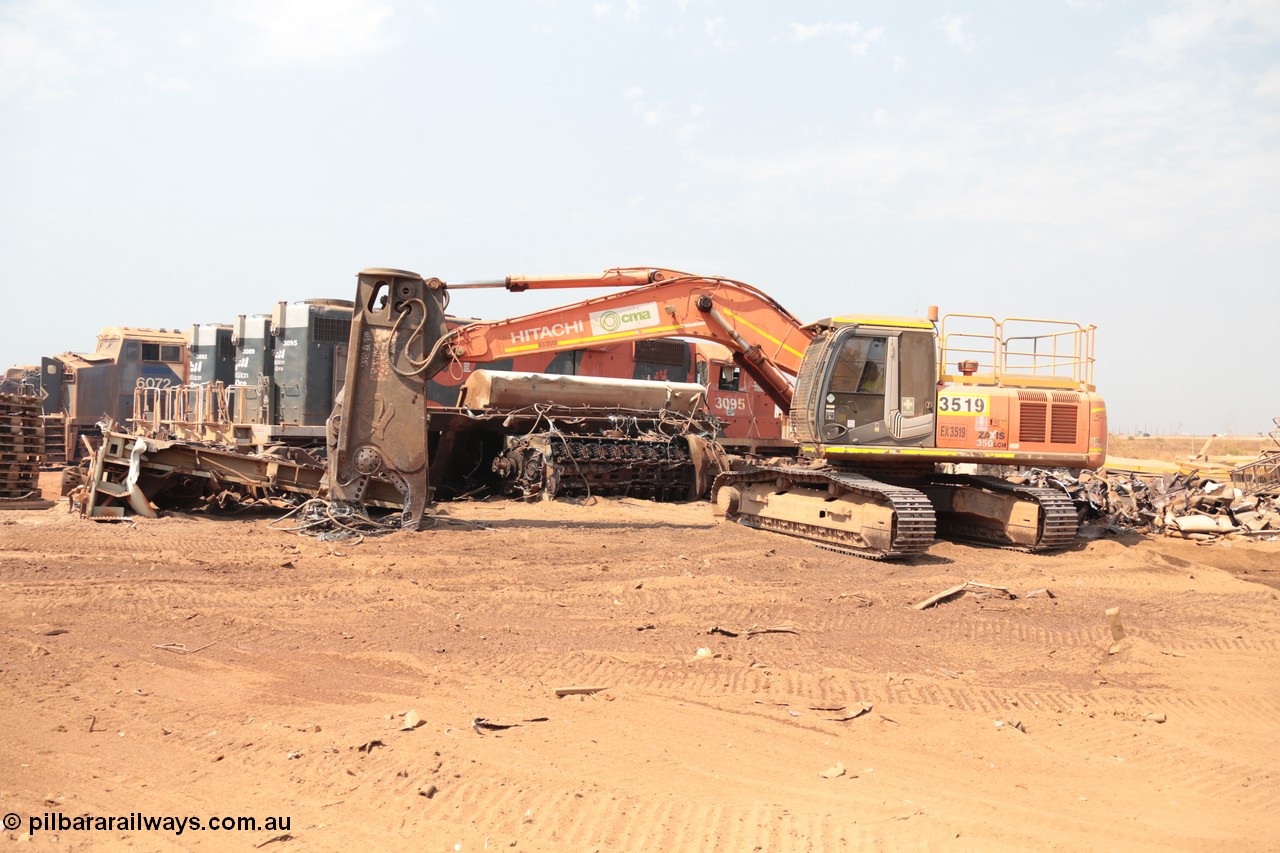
[766,339]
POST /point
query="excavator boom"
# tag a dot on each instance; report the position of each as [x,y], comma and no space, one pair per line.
[766,339]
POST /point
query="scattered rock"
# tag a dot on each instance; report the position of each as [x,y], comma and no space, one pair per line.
[1113,622]
[835,771]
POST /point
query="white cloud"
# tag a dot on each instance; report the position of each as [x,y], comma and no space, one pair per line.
[1168,37]
[682,124]
[954,28]
[713,27]
[1268,85]
[167,83]
[311,32]
[898,63]
[860,38]
[46,46]
[804,32]
[631,9]
[1127,162]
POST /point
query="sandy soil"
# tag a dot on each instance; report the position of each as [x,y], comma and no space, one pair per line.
[310,650]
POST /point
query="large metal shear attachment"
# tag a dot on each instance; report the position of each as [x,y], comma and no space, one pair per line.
[378,428]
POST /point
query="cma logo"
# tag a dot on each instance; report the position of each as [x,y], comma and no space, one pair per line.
[731,405]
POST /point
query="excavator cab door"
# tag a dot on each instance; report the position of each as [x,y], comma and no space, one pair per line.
[879,388]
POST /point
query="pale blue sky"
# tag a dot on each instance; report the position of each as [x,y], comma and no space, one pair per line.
[1107,162]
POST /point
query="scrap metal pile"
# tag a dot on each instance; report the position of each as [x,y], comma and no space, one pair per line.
[1186,505]
[21,449]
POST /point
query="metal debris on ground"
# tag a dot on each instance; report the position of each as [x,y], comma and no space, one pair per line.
[1243,504]
[332,522]
[282,837]
[181,648]
[482,725]
[979,589]
[578,691]
[854,713]
[752,631]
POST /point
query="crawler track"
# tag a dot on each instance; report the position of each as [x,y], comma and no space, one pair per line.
[1058,514]
[913,525]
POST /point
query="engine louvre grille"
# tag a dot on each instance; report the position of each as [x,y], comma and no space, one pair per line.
[1032,421]
[1063,428]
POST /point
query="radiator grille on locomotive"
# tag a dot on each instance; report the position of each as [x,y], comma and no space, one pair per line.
[662,352]
[330,330]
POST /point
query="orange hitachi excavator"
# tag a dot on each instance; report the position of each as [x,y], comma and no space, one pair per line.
[874,406]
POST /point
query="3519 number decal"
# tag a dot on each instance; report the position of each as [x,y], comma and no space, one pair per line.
[963,404]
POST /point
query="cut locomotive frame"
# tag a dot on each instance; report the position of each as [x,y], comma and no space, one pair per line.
[130,473]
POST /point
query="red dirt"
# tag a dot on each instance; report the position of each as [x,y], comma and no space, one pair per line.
[317,648]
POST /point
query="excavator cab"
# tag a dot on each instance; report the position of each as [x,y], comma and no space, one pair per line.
[872,382]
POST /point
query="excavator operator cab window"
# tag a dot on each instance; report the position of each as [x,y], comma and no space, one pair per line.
[730,378]
[700,374]
[855,394]
[880,387]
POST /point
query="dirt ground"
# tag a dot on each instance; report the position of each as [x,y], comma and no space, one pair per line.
[302,656]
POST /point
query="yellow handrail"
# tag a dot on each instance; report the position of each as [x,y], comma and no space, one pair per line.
[1019,351]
